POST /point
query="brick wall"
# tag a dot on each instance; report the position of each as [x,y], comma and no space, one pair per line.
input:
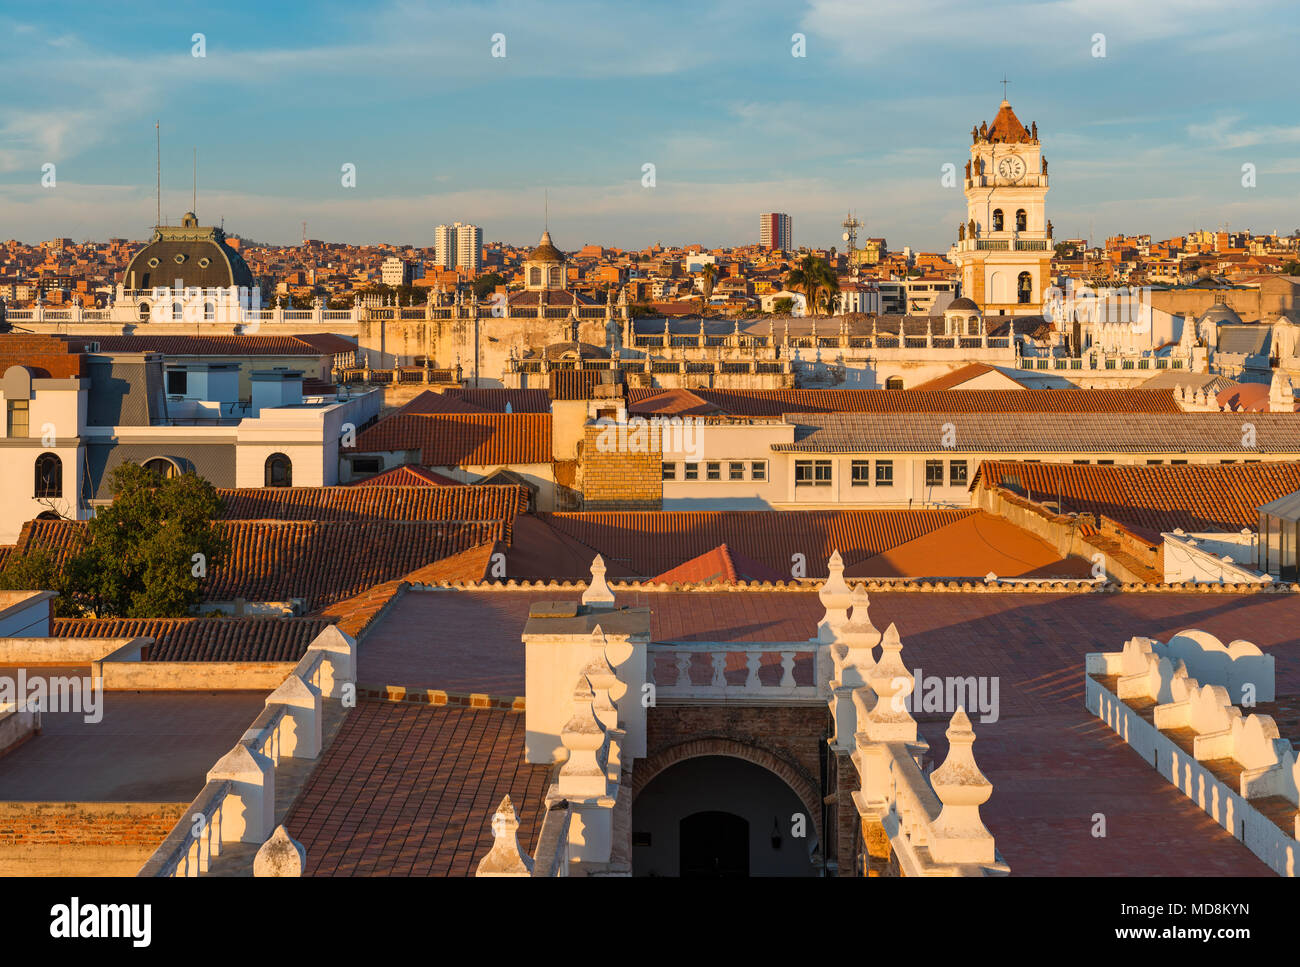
[82,838]
[622,477]
[49,356]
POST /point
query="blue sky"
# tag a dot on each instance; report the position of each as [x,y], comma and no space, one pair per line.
[1150,138]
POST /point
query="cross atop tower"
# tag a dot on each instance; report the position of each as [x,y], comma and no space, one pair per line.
[1004,86]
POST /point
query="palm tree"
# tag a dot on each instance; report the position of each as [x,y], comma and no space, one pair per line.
[710,272]
[809,278]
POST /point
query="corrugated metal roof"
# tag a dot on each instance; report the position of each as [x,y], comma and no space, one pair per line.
[1044,433]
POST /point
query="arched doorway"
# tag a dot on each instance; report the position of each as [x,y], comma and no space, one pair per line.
[713,844]
[724,815]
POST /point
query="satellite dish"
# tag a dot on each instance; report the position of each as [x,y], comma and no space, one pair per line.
[845,236]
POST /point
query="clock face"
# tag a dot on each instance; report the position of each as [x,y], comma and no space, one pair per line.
[1012,168]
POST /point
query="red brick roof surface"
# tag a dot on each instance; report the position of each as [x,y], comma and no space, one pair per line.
[408,476]
[720,566]
[410,790]
[1152,499]
[463,439]
[209,345]
[203,639]
[776,402]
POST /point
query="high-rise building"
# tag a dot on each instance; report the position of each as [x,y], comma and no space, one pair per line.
[395,271]
[774,231]
[458,246]
[469,247]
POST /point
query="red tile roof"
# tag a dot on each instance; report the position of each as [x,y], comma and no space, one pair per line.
[461,400]
[776,402]
[671,402]
[956,377]
[203,639]
[644,543]
[210,345]
[408,476]
[468,439]
[719,566]
[410,790]
[459,503]
[319,562]
[1152,499]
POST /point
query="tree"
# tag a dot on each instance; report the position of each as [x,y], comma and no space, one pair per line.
[783,306]
[485,285]
[1291,268]
[144,556]
[710,273]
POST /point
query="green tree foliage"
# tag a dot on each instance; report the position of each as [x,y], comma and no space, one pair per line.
[817,281]
[783,306]
[485,285]
[138,556]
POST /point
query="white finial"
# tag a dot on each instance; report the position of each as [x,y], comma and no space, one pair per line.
[959,835]
[598,594]
[280,855]
[505,857]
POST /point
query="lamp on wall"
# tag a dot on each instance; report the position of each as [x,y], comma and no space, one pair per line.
[776,834]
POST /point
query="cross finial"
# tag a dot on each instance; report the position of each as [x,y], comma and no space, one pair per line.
[1004,86]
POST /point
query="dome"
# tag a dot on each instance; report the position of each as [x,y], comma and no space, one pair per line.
[546,251]
[1220,314]
[962,305]
[196,255]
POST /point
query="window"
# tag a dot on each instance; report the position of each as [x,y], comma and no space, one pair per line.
[19,415]
[177,381]
[861,473]
[713,470]
[758,470]
[279,471]
[884,473]
[143,312]
[997,219]
[366,464]
[49,475]
[692,471]
[894,382]
[1024,288]
[957,473]
[1105,463]
[1085,462]
[736,471]
[178,312]
[670,471]
[1022,220]
[812,473]
[534,276]
[209,311]
[934,473]
[163,467]
[1154,463]
[554,277]
[1177,462]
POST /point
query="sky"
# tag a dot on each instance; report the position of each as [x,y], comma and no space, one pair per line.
[1150,138]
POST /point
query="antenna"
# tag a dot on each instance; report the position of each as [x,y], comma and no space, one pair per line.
[158,144]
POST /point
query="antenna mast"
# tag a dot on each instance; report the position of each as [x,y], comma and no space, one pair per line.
[158,144]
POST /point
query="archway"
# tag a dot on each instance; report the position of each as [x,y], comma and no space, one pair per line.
[696,807]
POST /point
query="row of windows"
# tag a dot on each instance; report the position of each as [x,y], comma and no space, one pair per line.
[819,473]
[714,470]
[49,472]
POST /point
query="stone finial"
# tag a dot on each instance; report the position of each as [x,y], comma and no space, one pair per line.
[281,855]
[598,594]
[889,719]
[505,858]
[858,632]
[601,676]
[583,774]
[958,834]
[836,596]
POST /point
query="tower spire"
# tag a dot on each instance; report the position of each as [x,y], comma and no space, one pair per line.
[194,196]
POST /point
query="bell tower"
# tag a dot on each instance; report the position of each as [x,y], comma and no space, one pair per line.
[1004,247]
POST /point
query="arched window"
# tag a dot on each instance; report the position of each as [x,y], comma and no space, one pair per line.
[279,471]
[49,475]
[209,311]
[178,312]
[894,382]
[555,277]
[144,312]
[997,219]
[534,276]
[1024,288]
[163,467]
[1022,220]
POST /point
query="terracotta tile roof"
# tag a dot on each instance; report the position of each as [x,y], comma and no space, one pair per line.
[210,345]
[644,543]
[671,402]
[319,562]
[328,342]
[408,476]
[459,503]
[778,402]
[1195,497]
[409,790]
[720,566]
[459,400]
[1042,433]
[1006,127]
[972,547]
[463,439]
[957,377]
[203,639]
[572,384]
